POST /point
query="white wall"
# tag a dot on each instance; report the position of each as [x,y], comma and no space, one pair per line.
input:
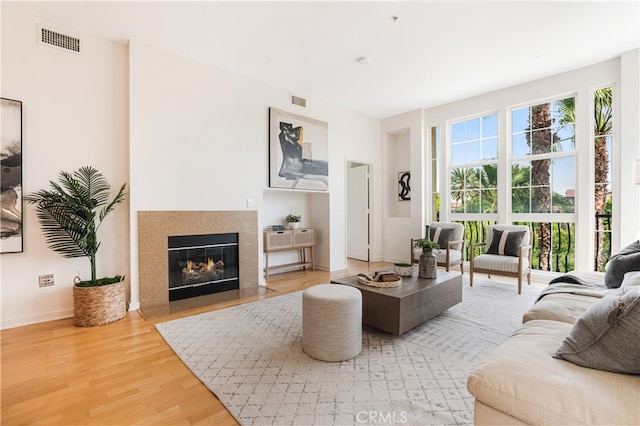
[402,220]
[354,137]
[629,212]
[199,141]
[75,113]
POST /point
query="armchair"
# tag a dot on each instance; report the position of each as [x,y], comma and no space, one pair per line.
[508,253]
[450,237]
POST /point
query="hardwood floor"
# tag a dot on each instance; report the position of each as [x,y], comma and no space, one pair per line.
[121,373]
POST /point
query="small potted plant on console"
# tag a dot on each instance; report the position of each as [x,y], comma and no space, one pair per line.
[69,216]
[294,221]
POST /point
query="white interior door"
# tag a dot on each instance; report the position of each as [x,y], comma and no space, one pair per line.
[358,211]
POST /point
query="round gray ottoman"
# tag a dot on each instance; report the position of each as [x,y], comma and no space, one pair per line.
[332,322]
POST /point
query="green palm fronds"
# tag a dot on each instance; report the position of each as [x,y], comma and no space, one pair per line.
[68,212]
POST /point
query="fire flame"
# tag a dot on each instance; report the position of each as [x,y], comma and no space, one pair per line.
[210,263]
[190,265]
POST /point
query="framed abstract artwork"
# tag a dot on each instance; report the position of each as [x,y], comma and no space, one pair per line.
[298,152]
[404,186]
[11,178]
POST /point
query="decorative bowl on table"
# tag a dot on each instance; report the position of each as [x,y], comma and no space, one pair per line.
[403,269]
[380,279]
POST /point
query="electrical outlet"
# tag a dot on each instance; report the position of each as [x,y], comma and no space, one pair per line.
[46,280]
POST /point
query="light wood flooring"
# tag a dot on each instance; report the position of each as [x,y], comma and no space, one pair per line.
[120,374]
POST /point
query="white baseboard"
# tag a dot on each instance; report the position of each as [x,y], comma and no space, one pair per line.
[35,319]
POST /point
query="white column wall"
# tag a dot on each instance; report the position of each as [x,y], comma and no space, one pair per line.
[629,214]
[397,230]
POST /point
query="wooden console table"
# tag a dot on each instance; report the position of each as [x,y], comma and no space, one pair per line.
[289,239]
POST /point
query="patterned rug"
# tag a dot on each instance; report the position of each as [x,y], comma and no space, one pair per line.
[250,356]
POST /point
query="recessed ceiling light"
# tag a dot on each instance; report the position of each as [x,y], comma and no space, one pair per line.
[363,60]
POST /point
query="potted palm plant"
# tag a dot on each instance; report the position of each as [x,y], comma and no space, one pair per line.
[70,214]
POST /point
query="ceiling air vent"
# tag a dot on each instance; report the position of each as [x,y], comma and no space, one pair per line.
[297,100]
[57,39]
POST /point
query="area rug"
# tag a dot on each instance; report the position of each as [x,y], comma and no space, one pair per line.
[250,356]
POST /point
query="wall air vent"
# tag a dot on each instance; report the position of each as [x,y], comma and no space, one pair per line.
[49,37]
[297,100]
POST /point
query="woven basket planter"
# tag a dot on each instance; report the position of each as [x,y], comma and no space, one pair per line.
[99,305]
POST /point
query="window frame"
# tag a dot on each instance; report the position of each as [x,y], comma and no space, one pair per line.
[537,216]
[473,216]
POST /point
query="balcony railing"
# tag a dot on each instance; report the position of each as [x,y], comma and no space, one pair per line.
[603,241]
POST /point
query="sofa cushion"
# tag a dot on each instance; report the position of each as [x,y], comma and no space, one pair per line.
[505,242]
[631,279]
[605,336]
[627,259]
[523,380]
[565,307]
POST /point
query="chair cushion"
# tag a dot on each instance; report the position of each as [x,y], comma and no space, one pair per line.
[441,235]
[498,262]
[605,336]
[441,254]
[505,242]
[453,255]
[525,241]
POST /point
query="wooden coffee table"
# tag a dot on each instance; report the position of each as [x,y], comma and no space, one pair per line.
[397,310]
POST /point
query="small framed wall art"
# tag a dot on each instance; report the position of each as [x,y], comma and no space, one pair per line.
[404,186]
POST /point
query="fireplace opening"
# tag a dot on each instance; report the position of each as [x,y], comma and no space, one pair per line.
[202,264]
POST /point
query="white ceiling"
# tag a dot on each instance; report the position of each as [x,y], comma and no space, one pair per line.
[436,52]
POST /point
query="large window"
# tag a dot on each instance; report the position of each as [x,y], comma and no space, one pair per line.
[474,164]
[543,152]
[548,162]
[543,158]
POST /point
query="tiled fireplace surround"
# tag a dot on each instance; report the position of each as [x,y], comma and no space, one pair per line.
[154,228]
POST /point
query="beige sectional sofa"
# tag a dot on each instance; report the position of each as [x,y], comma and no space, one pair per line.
[522,382]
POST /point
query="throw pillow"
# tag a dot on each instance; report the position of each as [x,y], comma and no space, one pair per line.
[506,243]
[605,336]
[631,279]
[627,259]
[441,235]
